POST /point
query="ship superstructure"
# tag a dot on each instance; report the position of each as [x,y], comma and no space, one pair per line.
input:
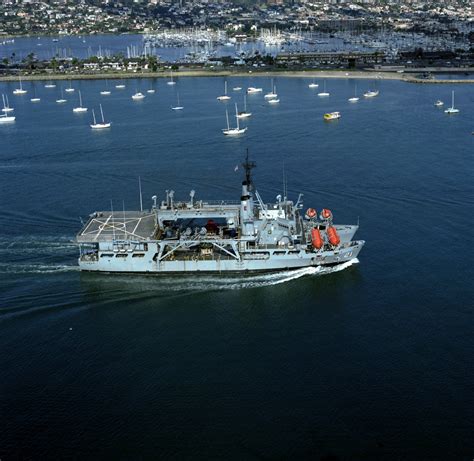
[215,236]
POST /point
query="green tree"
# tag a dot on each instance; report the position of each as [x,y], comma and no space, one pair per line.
[54,64]
[152,63]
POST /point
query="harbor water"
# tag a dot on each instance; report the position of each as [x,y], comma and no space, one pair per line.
[369,361]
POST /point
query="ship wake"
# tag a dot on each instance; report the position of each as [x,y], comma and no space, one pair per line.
[196,283]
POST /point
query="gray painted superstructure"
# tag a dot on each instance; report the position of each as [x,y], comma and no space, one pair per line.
[213,237]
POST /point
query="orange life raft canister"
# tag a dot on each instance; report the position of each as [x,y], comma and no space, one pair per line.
[316,238]
[332,236]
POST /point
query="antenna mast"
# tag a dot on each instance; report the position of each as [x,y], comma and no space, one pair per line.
[140,189]
[248,166]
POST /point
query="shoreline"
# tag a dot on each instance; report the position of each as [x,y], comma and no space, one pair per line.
[338,74]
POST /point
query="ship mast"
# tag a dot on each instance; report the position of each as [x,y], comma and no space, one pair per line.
[248,166]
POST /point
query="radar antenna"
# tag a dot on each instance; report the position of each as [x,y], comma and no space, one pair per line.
[248,166]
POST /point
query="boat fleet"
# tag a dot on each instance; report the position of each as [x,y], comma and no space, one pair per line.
[271,97]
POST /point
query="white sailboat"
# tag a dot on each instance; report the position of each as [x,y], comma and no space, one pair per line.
[244,114]
[6,104]
[106,92]
[70,89]
[355,98]
[252,90]
[171,81]
[138,96]
[178,105]
[120,86]
[80,108]
[150,90]
[61,100]
[233,131]
[439,103]
[50,85]
[35,97]
[452,109]
[99,126]
[371,93]
[225,96]
[237,88]
[19,90]
[313,84]
[272,94]
[324,93]
[5,118]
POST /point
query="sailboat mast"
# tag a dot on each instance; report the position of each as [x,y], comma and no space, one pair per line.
[93,116]
[237,117]
[227,118]
[102,113]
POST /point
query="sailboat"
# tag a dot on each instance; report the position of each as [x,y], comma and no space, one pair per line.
[19,90]
[225,96]
[236,88]
[355,98]
[171,82]
[137,96]
[50,85]
[371,93]
[451,110]
[272,94]
[61,100]
[80,108]
[439,103]
[244,114]
[35,97]
[5,118]
[105,92]
[150,90]
[120,86]
[6,104]
[233,131]
[178,106]
[252,90]
[313,84]
[99,126]
[70,89]
[324,93]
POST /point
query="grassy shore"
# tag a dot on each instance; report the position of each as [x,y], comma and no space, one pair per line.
[317,74]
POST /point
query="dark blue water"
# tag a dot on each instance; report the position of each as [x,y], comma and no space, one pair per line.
[371,362]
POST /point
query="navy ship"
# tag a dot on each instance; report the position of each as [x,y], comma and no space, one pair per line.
[198,236]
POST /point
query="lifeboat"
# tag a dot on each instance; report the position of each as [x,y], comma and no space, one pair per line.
[326,214]
[316,239]
[332,236]
[311,213]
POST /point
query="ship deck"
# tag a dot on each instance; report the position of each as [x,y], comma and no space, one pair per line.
[119,225]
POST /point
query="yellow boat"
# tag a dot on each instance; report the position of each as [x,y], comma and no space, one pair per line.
[332,116]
